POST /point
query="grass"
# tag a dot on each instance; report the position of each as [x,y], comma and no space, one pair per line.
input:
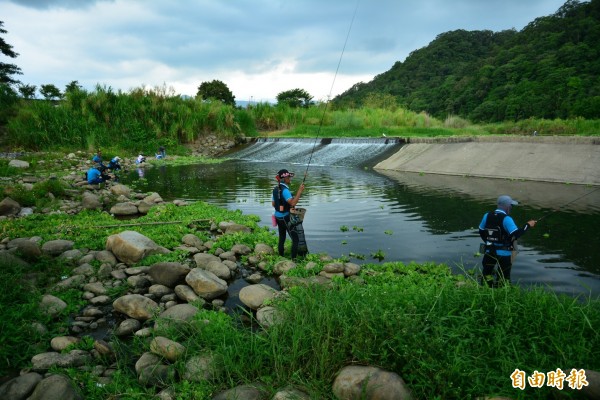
[446,336]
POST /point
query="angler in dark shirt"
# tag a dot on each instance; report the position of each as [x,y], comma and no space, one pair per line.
[283,201]
[499,232]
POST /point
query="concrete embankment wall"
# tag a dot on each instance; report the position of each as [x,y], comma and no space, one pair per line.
[573,159]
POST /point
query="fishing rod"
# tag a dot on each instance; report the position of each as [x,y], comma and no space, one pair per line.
[330,90]
[564,205]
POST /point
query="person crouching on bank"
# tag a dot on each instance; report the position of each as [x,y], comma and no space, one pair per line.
[283,201]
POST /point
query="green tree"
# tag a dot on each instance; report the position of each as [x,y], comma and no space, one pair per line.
[27,91]
[7,70]
[216,90]
[74,86]
[295,98]
[50,92]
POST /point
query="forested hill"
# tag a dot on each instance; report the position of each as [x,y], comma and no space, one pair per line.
[549,69]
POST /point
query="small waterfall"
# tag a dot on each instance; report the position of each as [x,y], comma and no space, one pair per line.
[325,152]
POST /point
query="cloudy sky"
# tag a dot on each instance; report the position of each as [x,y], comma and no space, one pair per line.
[258,48]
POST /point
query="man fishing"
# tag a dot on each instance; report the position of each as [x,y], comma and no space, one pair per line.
[499,233]
[284,201]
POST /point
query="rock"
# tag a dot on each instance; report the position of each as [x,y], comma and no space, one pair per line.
[187,294]
[9,259]
[219,269]
[592,390]
[241,249]
[290,394]
[20,387]
[127,327]
[126,208]
[9,207]
[106,256]
[202,367]
[57,247]
[351,269]
[60,343]
[192,240]
[130,247]
[52,305]
[167,348]
[254,296]
[176,315]
[151,372]
[333,268]
[90,201]
[55,387]
[262,248]
[18,164]
[203,259]
[266,316]
[365,382]
[136,306]
[27,249]
[206,284]
[153,198]
[120,190]
[243,392]
[144,207]
[45,361]
[168,273]
[283,266]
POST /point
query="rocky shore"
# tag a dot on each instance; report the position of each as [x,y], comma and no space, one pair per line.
[127,299]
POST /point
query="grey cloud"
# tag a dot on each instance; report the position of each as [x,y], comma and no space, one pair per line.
[49,4]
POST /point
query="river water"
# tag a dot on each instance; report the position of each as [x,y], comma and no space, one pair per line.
[358,212]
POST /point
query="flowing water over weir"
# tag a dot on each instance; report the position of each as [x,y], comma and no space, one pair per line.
[357,212]
[320,152]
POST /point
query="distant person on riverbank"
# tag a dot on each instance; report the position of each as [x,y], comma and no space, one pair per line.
[283,201]
[140,159]
[499,234]
[161,153]
[98,160]
[95,176]
[113,164]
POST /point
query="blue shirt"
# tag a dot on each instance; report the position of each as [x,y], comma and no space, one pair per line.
[509,226]
[97,159]
[286,194]
[92,174]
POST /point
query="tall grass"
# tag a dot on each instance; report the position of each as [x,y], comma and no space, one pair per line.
[143,119]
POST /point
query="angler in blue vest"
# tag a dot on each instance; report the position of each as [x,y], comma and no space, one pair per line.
[499,232]
[283,201]
[95,176]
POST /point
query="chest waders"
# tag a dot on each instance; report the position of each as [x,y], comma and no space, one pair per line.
[294,226]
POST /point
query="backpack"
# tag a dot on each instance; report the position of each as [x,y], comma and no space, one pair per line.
[495,232]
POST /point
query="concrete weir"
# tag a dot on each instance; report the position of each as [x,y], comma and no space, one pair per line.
[564,159]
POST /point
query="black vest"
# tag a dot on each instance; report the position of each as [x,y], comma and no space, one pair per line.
[280,204]
[495,232]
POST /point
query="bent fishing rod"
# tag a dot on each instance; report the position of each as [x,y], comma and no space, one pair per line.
[330,91]
[564,205]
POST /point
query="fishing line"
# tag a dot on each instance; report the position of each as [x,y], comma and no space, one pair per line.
[564,205]
[330,90]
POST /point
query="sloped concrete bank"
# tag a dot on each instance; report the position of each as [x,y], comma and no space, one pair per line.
[573,159]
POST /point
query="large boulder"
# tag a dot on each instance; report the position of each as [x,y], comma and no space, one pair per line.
[254,296]
[168,273]
[136,306]
[9,207]
[130,247]
[206,284]
[366,382]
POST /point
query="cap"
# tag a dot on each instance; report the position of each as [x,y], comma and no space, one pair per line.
[284,173]
[505,200]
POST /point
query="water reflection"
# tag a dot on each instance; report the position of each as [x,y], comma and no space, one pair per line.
[408,217]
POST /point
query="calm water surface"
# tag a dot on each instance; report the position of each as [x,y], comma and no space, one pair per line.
[357,212]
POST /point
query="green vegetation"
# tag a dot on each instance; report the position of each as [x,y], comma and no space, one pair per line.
[548,70]
[445,335]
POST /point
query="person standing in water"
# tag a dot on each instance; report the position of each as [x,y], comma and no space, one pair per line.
[499,233]
[283,201]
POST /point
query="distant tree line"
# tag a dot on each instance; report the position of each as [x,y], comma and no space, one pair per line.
[550,69]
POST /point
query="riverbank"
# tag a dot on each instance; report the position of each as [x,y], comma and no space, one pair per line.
[561,159]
